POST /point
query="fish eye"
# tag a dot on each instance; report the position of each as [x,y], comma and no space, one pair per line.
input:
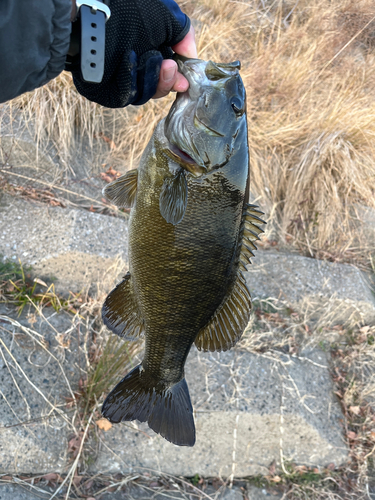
[237,106]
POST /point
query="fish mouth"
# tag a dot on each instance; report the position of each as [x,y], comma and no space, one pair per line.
[185,160]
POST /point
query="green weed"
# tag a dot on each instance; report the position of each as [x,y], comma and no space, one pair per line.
[18,288]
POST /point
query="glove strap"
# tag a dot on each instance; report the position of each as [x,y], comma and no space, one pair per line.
[92,15]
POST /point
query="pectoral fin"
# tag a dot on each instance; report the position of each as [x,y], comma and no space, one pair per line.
[120,311]
[122,192]
[173,198]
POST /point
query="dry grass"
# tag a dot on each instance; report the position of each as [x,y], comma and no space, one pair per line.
[309,70]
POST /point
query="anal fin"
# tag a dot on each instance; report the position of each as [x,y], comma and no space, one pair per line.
[120,311]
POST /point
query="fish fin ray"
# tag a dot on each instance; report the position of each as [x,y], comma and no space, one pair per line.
[173,198]
[249,233]
[122,192]
[226,326]
[166,409]
[120,311]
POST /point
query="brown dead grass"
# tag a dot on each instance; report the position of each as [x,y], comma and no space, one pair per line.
[309,70]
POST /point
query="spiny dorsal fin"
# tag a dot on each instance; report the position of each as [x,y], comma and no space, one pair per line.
[120,311]
[173,198]
[122,192]
[249,233]
[229,321]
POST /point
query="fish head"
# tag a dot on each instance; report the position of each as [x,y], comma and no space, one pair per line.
[204,123]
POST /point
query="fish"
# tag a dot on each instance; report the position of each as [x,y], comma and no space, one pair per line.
[191,234]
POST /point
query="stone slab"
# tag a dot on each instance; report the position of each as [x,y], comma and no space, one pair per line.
[335,292]
[79,248]
[17,492]
[75,248]
[249,411]
[254,493]
[39,367]
[24,492]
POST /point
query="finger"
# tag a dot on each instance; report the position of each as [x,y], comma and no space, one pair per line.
[181,84]
[187,46]
[167,78]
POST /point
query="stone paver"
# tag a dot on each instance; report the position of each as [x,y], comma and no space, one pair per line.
[75,248]
[249,410]
[79,247]
[336,292]
[39,367]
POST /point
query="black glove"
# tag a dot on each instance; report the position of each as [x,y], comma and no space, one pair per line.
[139,35]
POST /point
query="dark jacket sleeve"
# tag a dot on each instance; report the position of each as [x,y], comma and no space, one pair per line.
[34,41]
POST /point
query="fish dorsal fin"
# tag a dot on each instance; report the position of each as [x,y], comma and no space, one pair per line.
[173,198]
[120,311]
[122,192]
[226,326]
[249,233]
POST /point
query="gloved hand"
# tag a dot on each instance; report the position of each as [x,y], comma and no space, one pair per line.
[139,35]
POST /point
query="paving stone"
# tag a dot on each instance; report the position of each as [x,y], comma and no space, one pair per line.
[254,493]
[17,492]
[75,248]
[249,410]
[336,292]
[136,492]
[78,247]
[39,367]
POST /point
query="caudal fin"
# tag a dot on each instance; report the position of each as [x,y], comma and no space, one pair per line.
[166,409]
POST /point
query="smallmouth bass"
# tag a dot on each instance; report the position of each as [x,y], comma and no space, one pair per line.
[191,234]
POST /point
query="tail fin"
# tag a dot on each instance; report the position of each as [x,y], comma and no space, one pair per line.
[167,409]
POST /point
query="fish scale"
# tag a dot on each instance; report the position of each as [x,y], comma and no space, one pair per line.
[191,233]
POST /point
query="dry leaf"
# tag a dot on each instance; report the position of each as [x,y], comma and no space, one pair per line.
[74,445]
[103,424]
[272,468]
[32,319]
[40,282]
[52,477]
[352,435]
[364,329]
[301,468]
[276,479]
[105,177]
[355,409]
[77,480]
[88,485]
[111,171]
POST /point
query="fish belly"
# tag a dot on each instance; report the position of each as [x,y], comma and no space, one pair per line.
[181,273]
